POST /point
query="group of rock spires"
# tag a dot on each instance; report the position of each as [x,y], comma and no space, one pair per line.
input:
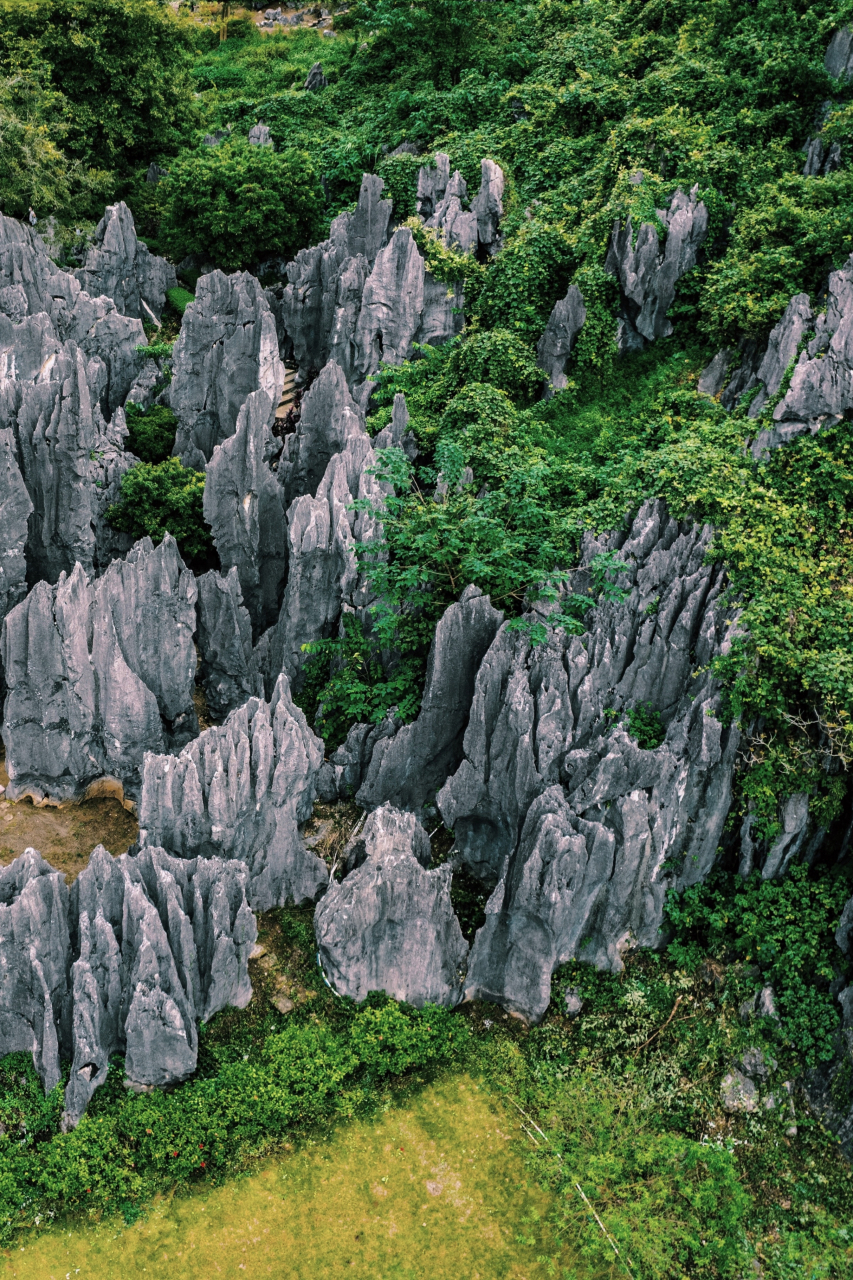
[524,750]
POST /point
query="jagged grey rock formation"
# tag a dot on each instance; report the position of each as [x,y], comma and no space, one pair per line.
[390,926]
[98,673]
[395,434]
[225,644]
[342,775]
[243,506]
[557,805]
[323,574]
[121,267]
[409,769]
[820,346]
[160,943]
[241,791]
[34,964]
[316,80]
[555,346]
[227,348]
[488,205]
[839,54]
[647,277]
[828,1086]
[70,458]
[329,418]
[31,283]
[15,508]
[457,225]
[391,305]
[260,136]
[432,184]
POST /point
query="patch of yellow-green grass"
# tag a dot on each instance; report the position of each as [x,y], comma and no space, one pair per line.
[436,1190]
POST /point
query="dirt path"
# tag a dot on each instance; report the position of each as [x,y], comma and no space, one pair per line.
[63,836]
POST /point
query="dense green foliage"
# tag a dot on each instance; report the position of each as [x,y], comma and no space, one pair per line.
[235,202]
[151,432]
[164,497]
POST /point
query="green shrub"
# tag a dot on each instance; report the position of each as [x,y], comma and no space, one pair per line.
[645,726]
[152,432]
[160,498]
[179,298]
[235,202]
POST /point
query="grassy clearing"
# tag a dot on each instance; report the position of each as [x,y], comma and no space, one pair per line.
[437,1188]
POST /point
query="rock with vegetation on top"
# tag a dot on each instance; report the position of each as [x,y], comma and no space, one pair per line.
[260,136]
[241,791]
[243,506]
[557,805]
[120,266]
[390,925]
[160,943]
[225,644]
[99,673]
[647,276]
[408,769]
[227,348]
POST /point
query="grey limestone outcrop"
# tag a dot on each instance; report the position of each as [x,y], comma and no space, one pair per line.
[241,791]
[31,283]
[160,943]
[316,80]
[34,964]
[98,673]
[329,418]
[488,205]
[227,348]
[121,267]
[15,508]
[556,344]
[839,54]
[579,829]
[244,508]
[813,349]
[259,136]
[648,275]
[139,951]
[457,224]
[227,672]
[390,925]
[407,770]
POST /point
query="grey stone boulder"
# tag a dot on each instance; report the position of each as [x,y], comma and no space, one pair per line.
[839,54]
[97,674]
[390,926]
[555,346]
[410,768]
[243,506]
[342,774]
[31,283]
[121,267]
[241,791]
[432,184]
[160,943]
[316,80]
[225,644]
[647,276]
[392,305]
[227,348]
[259,136]
[579,829]
[34,964]
[738,1093]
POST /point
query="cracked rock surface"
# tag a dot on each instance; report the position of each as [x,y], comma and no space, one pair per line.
[389,925]
[121,267]
[241,791]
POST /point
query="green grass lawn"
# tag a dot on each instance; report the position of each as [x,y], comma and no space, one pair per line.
[437,1188]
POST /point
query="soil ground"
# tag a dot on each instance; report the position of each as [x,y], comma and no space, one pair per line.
[64,836]
[436,1190]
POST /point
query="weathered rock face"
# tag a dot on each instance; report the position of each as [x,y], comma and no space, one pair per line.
[391,305]
[241,791]
[225,644]
[129,962]
[828,1085]
[457,225]
[120,266]
[71,460]
[559,806]
[316,80]
[243,506]
[820,392]
[227,348]
[488,205]
[31,283]
[329,418]
[34,964]
[390,926]
[259,136]
[160,943]
[555,346]
[98,673]
[647,277]
[839,55]
[410,768]
[15,508]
